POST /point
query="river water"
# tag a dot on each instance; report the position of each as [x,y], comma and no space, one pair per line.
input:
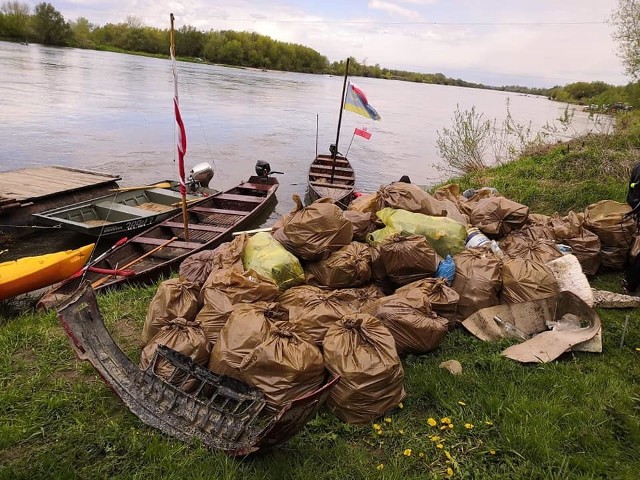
[114,112]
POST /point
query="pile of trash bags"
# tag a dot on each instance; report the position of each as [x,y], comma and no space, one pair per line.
[351,292]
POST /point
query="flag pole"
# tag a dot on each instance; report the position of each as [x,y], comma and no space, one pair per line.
[182,141]
[349,147]
[344,88]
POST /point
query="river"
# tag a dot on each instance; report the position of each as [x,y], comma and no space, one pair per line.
[114,112]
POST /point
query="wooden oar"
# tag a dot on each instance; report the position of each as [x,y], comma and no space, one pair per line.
[142,187]
[249,232]
[102,280]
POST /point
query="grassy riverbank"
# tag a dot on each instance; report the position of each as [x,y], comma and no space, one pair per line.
[578,417]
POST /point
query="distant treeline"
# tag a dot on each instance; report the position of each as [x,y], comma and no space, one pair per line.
[46,25]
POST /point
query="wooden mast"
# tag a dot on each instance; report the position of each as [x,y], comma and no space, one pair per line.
[335,152]
[183,190]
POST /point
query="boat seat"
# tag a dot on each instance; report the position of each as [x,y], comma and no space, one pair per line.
[263,187]
[239,198]
[328,175]
[329,167]
[118,207]
[331,185]
[196,226]
[226,211]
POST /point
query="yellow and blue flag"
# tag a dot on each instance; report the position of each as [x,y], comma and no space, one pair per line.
[356,101]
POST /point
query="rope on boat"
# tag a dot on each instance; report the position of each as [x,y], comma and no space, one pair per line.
[32,226]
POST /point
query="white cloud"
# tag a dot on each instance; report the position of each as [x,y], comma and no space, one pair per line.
[394,9]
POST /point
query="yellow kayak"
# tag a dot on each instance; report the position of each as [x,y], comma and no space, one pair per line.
[30,273]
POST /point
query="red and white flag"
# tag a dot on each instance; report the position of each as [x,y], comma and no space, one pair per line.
[362,132]
[181,134]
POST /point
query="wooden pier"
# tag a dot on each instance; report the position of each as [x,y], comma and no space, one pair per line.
[32,190]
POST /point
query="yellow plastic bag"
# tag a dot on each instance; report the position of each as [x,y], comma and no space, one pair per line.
[269,259]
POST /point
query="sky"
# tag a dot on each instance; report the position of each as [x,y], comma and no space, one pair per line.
[535,43]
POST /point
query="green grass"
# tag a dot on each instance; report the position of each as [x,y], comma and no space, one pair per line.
[577,417]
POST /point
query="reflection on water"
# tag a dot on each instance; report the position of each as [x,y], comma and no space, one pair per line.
[113,112]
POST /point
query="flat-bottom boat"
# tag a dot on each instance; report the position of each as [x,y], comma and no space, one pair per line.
[333,178]
[160,249]
[120,213]
[31,273]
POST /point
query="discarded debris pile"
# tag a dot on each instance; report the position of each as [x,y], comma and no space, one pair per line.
[350,292]
[327,304]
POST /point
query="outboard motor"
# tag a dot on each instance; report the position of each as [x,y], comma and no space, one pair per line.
[200,176]
[263,169]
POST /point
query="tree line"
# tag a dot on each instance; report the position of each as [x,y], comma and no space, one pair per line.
[47,25]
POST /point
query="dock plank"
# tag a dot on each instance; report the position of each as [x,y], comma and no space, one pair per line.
[39,182]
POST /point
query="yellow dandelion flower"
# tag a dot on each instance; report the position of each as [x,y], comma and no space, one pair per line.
[380,466]
[434,438]
[439,445]
[460,402]
[387,419]
[450,425]
[379,432]
[492,451]
[445,420]
[637,349]
[421,454]
[401,431]
[400,406]
[450,471]
[407,452]
[432,422]
[488,422]
[448,455]
[376,426]
[468,426]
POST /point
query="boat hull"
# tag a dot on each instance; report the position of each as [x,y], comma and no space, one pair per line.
[331,178]
[160,249]
[31,273]
[120,213]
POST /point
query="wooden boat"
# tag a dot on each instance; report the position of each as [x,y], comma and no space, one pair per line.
[160,249]
[333,178]
[223,414]
[31,273]
[121,213]
[332,175]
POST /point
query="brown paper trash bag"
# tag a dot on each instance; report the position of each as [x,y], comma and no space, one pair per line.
[362,351]
[225,289]
[410,197]
[450,192]
[577,326]
[478,280]
[348,267]
[524,280]
[174,298]
[297,296]
[366,203]
[414,326]
[362,223]
[444,299]
[320,312]
[541,250]
[248,325]
[585,245]
[185,337]
[497,216]
[362,297]
[286,365]
[606,219]
[315,231]
[407,258]
[199,267]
